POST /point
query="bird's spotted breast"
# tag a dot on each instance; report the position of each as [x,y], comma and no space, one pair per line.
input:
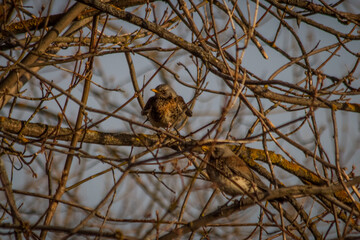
[165,112]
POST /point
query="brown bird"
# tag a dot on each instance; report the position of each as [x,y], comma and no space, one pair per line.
[231,174]
[166,109]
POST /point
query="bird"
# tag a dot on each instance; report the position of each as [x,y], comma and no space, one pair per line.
[231,174]
[166,109]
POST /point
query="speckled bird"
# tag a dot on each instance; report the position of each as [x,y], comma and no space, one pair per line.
[231,174]
[166,109]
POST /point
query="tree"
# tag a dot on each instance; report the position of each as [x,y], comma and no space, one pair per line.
[275,80]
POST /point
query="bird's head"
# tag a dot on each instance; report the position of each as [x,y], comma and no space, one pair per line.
[164,91]
[219,151]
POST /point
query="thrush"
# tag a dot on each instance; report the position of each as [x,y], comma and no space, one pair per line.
[231,174]
[166,109]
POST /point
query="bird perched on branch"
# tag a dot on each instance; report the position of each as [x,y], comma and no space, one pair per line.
[231,174]
[166,109]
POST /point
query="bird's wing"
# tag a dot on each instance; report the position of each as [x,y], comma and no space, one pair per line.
[148,106]
[184,106]
[239,167]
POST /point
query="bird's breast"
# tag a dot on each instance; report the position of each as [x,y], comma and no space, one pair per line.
[165,112]
[229,183]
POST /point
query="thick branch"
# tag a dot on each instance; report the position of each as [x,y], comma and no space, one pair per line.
[43,131]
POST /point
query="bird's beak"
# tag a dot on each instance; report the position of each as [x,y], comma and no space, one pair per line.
[154,90]
[205,148]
